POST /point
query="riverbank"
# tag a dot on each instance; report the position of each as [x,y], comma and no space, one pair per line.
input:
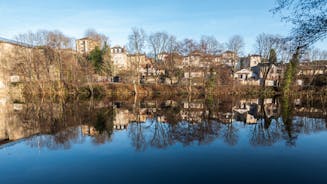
[127,90]
[99,90]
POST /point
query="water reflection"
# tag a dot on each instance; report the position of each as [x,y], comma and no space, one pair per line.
[160,123]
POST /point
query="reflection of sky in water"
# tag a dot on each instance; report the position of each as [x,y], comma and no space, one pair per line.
[154,152]
[117,161]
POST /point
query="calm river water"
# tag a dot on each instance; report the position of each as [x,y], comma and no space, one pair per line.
[186,140]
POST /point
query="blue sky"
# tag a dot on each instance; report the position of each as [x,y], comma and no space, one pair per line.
[115,18]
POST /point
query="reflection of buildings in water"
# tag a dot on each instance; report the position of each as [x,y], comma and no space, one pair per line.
[271,110]
[170,103]
[297,101]
[193,111]
[192,116]
[17,124]
[250,110]
[148,104]
[3,117]
[310,112]
[246,111]
[162,119]
[225,117]
[193,105]
[271,107]
[18,121]
[197,112]
[250,119]
[122,119]
[245,116]
[11,128]
[88,130]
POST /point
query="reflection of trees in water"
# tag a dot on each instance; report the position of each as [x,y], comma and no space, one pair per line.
[270,130]
[262,135]
[307,125]
[207,131]
[103,124]
[290,135]
[59,124]
[202,132]
[136,132]
[61,140]
[162,136]
[230,134]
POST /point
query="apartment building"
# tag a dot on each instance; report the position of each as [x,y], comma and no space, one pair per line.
[86,45]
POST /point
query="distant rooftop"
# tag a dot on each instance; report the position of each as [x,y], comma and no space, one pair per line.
[255,55]
[87,38]
[117,46]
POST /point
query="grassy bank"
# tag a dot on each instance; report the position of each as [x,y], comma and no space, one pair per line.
[126,90]
[99,90]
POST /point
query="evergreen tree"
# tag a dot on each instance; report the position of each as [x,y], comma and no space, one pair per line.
[96,57]
[107,66]
[272,57]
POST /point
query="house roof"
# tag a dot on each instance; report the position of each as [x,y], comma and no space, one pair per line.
[244,71]
[255,55]
[87,38]
[315,63]
[229,51]
[117,46]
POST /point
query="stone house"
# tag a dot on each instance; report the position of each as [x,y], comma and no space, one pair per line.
[8,51]
[193,59]
[249,61]
[245,74]
[274,75]
[86,45]
[313,68]
[119,58]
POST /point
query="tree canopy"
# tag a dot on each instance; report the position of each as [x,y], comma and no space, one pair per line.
[308,18]
[96,57]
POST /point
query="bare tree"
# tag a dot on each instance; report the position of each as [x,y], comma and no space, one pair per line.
[93,34]
[236,44]
[57,40]
[309,18]
[136,41]
[158,43]
[46,62]
[315,54]
[172,45]
[187,46]
[136,45]
[266,42]
[210,45]
[171,60]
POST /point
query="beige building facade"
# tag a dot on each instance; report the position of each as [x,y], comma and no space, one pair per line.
[86,45]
